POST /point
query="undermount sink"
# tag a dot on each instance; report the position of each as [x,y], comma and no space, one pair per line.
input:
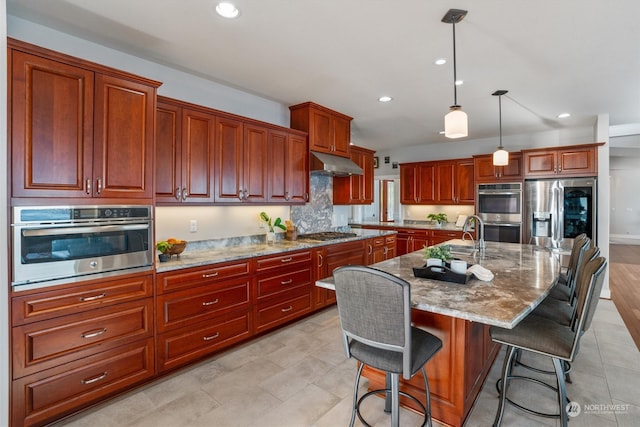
[463,247]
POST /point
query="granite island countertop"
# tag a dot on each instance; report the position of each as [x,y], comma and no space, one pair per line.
[523,277]
[421,225]
[206,254]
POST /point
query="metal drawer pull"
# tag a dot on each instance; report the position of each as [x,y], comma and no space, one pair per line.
[95,297]
[94,334]
[210,302]
[206,276]
[212,337]
[284,310]
[286,282]
[286,259]
[94,379]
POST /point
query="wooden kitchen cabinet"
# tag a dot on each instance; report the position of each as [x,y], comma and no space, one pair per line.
[329,131]
[465,188]
[485,171]
[439,236]
[241,161]
[330,257]
[575,161]
[380,248]
[417,182]
[184,153]
[412,239]
[75,344]
[356,189]
[78,129]
[201,310]
[284,288]
[288,171]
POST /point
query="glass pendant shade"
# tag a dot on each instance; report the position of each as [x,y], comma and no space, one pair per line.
[501,157]
[455,123]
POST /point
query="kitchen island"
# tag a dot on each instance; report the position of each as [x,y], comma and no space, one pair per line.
[460,315]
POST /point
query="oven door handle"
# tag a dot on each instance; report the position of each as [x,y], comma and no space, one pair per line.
[499,193]
[54,231]
[504,224]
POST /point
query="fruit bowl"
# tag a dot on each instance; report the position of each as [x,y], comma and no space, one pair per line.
[177,248]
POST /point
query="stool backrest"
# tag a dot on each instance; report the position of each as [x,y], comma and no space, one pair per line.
[375,309]
[580,245]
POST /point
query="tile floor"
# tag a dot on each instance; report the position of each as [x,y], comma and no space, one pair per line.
[299,376]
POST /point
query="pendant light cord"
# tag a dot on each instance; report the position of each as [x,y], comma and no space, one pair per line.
[455,78]
[500,119]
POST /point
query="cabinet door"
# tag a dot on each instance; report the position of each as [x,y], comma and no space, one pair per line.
[445,179]
[366,180]
[465,185]
[341,136]
[277,175]
[513,171]
[408,177]
[298,170]
[51,129]
[577,161]
[123,138]
[540,163]
[321,132]
[484,170]
[254,163]
[168,153]
[197,156]
[228,161]
[426,180]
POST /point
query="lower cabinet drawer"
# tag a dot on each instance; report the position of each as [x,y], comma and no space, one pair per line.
[52,393]
[285,282]
[42,345]
[272,314]
[177,348]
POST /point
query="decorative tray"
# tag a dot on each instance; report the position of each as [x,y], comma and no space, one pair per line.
[444,273]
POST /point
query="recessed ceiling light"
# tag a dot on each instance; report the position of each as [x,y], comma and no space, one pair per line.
[227,10]
[385,99]
[440,61]
[564,115]
[459,82]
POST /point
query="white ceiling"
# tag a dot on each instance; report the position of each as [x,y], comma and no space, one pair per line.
[553,56]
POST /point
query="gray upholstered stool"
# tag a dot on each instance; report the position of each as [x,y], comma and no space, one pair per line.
[375,317]
[565,281]
[549,338]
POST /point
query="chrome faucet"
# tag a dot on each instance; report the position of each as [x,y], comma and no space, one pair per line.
[479,229]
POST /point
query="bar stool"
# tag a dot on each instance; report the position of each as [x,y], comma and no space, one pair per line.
[565,281]
[548,338]
[375,318]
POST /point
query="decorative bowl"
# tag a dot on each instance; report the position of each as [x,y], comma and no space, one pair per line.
[177,248]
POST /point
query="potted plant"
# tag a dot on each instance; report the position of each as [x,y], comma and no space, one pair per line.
[271,236]
[439,218]
[441,253]
[163,246]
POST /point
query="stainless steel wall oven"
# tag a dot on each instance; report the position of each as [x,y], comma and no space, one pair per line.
[60,244]
[500,207]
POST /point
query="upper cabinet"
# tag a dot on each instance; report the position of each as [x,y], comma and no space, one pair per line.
[356,189]
[288,172]
[329,131]
[572,161]
[184,153]
[78,130]
[485,171]
[445,182]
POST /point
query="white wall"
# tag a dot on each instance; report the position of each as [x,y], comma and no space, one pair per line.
[625,189]
[4,268]
[601,131]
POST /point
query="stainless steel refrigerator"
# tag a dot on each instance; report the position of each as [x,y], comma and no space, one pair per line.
[558,210]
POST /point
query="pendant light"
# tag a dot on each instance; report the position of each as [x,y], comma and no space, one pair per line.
[455,122]
[500,156]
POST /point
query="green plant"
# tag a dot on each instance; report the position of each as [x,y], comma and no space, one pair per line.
[163,246]
[277,223]
[439,217]
[442,252]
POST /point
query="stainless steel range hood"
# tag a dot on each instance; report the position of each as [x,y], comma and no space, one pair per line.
[329,164]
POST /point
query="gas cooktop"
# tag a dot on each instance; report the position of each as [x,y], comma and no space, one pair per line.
[326,235]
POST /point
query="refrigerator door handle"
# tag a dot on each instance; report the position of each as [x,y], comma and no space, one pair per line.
[558,211]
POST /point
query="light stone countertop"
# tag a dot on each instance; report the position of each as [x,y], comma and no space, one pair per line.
[523,277]
[421,225]
[206,255]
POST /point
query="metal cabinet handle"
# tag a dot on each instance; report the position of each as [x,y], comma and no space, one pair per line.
[207,276]
[92,298]
[286,196]
[370,249]
[185,193]
[99,186]
[284,310]
[94,379]
[240,194]
[245,194]
[286,259]
[177,194]
[286,282]
[306,196]
[210,302]
[211,337]
[87,186]
[320,260]
[93,334]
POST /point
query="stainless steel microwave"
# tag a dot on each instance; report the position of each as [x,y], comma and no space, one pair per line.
[60,244]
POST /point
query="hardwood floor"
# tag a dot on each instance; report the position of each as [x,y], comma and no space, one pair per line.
[624,277]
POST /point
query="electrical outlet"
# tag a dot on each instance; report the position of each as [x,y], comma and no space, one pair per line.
[193,226]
